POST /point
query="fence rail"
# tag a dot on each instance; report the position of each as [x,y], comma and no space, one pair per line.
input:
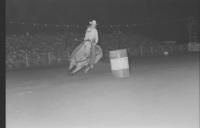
[51,58]
[156,51]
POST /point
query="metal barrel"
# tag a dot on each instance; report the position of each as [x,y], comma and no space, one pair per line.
[119,63]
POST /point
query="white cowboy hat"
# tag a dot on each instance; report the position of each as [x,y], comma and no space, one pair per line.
[93,22]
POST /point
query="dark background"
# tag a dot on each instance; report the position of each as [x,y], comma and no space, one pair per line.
[106,12]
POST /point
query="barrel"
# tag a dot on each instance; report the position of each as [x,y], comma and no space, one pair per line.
[119,63]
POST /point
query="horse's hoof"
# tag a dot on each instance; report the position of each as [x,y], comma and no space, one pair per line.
[91,66]
[85,72]
[70,73]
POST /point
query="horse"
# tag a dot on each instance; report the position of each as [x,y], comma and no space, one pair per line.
[80,57]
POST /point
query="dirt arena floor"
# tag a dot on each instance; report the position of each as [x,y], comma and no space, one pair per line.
[162,92]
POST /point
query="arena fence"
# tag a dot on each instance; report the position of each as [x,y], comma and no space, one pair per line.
[27,59]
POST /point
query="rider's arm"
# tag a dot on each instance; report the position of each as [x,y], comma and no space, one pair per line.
[97,37]
[86,33]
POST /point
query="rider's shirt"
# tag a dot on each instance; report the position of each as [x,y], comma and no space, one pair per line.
[92,35]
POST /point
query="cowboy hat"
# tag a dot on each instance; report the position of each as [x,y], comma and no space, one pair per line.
[93,22]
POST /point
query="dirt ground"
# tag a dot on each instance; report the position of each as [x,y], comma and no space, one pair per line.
[162,92]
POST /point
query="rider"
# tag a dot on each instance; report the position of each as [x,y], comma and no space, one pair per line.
[91,35]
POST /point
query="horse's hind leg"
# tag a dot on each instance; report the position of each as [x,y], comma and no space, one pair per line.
[98,57]
[86,69]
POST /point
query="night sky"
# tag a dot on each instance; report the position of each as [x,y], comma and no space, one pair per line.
[104,11]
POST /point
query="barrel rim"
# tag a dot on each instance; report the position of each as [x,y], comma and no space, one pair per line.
[117,50]
[118,53]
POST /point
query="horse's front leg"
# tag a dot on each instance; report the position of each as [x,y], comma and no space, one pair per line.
[76,69]
[72,64]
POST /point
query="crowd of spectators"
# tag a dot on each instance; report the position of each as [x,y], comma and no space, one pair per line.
[29,50]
